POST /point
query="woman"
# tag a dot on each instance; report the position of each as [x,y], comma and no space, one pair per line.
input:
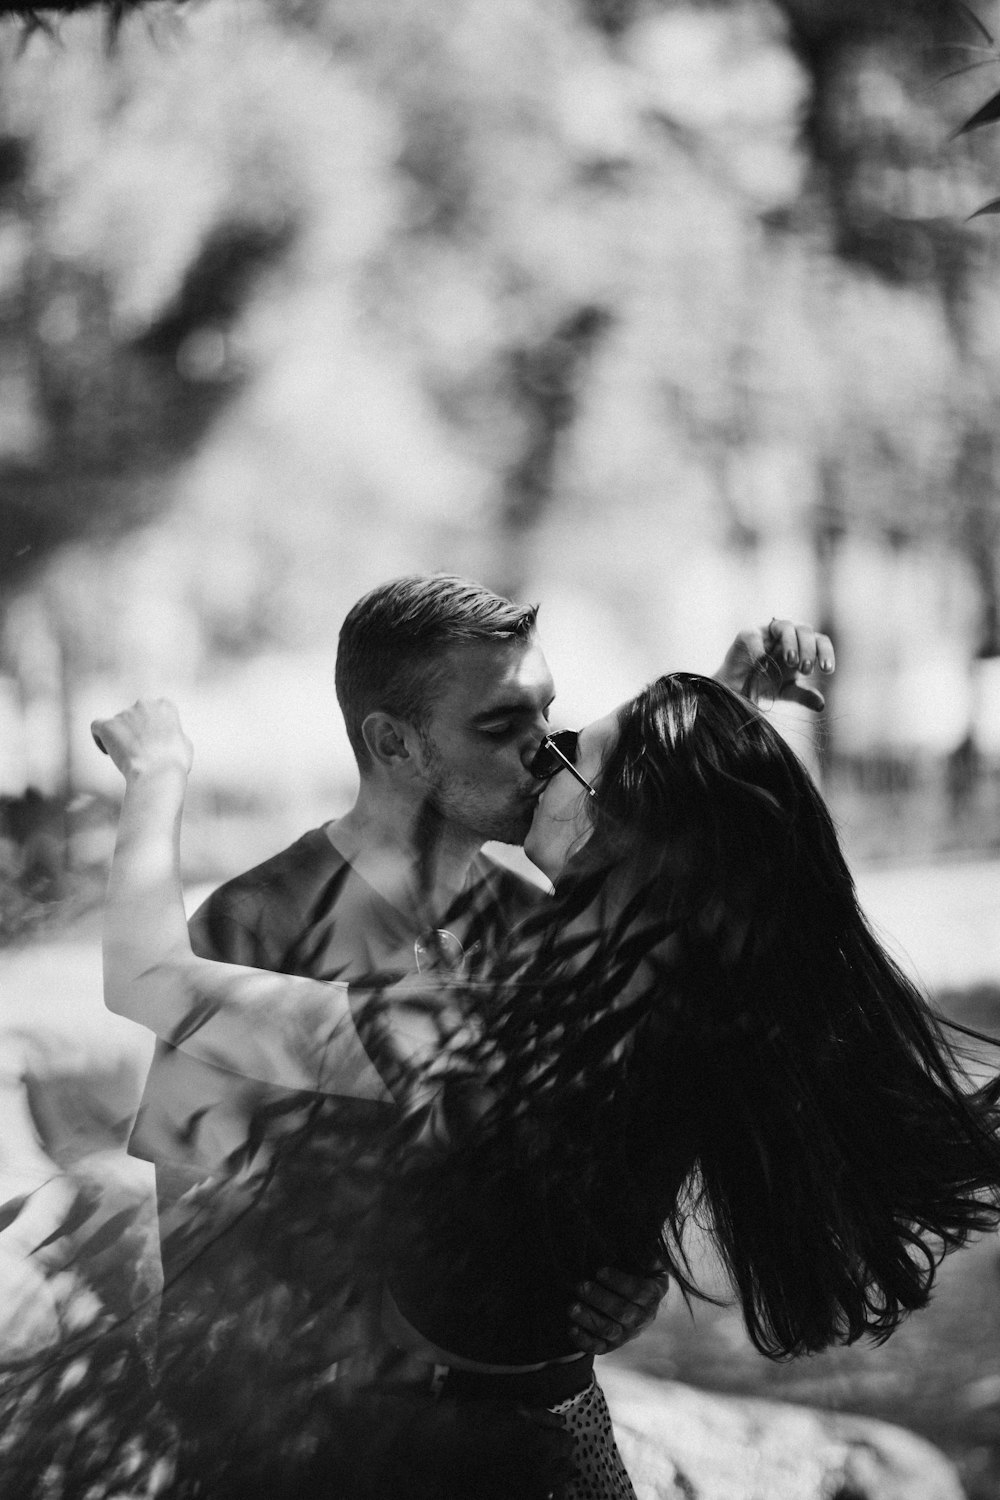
[701,1026]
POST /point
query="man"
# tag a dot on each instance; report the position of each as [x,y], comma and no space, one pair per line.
[446,695]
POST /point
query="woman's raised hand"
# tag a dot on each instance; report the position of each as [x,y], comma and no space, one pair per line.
[775,661]
[144,738]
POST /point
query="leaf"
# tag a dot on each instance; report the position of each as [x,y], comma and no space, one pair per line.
[186,1133]
[83,1208]
[983,62]
[200,1013]
[971,15]
[986,52]
[993,207]
[10,1210]
[989,113]
[109,1232]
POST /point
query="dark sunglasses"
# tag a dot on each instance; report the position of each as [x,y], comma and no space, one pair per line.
[557,752]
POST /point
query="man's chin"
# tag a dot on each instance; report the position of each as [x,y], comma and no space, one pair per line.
[513,830]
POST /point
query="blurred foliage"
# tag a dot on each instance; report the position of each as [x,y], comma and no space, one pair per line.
[41,885]
[298,294]
[267,1278]
[667,302]
[272,1276]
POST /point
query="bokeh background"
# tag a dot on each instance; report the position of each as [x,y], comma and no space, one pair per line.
[668,313]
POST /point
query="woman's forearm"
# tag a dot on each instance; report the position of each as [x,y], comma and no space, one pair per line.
[145,927]
[295,1032]
[282,1029]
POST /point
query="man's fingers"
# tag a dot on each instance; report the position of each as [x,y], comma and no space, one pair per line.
[613,1331]
[588,1344]
[605,1303]
[601,1324]
[594,1334]
[627,1287]
[599,1333]
[618,1299]
[613,1308]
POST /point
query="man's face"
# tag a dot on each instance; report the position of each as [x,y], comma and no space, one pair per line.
[487,720]
[564,814]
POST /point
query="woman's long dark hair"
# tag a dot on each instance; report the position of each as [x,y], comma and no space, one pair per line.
[736,1045]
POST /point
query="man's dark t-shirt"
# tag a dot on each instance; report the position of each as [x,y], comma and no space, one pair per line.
[304,911]
[273,1259]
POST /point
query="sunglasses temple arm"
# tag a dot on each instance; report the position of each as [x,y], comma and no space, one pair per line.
[568,764]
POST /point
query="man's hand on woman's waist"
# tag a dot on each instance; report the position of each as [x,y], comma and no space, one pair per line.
[613,1308]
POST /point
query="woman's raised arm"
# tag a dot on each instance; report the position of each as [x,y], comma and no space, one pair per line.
[278,1028]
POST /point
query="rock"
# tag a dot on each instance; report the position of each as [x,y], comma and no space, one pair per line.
[683,1444]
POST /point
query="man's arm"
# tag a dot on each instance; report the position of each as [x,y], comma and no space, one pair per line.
[774,661]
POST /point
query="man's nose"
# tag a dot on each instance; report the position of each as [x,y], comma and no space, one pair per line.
[531,747]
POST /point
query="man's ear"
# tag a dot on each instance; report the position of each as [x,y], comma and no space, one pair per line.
[388,740]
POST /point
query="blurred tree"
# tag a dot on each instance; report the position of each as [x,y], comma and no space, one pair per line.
[102,408]
[114,410]
[460,277]
[36,15]
[978,520]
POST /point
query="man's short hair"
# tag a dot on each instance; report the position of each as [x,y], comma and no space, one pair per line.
[392,642]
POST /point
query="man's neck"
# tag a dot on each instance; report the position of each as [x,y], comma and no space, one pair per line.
[413,858]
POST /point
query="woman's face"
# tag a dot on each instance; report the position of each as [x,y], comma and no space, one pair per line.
[562,820]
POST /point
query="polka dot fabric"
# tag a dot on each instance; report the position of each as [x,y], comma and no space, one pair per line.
[600,1472]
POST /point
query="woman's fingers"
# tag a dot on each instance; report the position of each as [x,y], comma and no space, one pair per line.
[148,736]
[778,660]
[792,653]
[825,654]
[799,648]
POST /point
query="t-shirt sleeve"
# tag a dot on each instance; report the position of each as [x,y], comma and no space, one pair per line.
[229,927]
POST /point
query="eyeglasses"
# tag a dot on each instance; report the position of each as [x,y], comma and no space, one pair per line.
[557,752]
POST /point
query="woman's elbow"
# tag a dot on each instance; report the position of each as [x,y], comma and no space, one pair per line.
[120,999]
